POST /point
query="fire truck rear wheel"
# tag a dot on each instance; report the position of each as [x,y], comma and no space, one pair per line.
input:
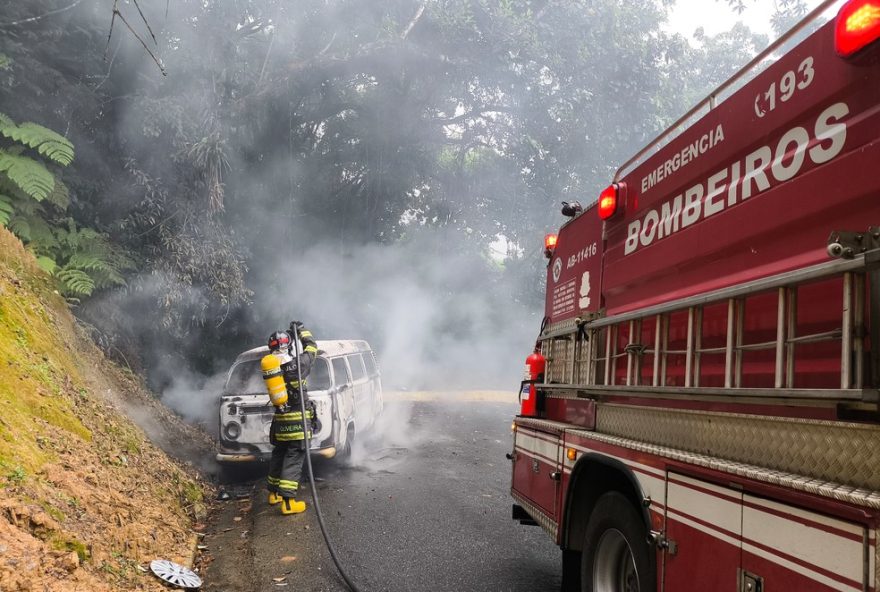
[616,555]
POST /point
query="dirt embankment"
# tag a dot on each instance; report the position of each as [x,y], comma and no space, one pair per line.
[86,500]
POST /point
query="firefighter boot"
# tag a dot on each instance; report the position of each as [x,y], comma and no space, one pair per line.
[291,506]
[274,498]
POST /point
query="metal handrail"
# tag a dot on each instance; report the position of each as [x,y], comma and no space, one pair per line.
[710,100]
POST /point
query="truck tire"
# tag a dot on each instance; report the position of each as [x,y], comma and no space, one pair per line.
[616,555]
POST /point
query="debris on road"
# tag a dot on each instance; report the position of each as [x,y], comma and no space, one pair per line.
[175,574]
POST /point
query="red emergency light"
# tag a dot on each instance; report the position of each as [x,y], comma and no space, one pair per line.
[858,24]
[550,244]
[608,202]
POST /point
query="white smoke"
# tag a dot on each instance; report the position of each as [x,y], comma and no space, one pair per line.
[437,318]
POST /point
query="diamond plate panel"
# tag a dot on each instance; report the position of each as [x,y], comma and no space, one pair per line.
[544,425]
[844,493]
[843,453]
[540,517]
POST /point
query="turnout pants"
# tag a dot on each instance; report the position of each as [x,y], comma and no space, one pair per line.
[285,468]
[288,439]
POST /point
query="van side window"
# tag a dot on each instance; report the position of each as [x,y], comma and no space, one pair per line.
[319,376]
[370,363]
[340,371]
[358,372]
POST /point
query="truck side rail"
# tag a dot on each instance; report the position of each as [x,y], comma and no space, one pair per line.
[711,101]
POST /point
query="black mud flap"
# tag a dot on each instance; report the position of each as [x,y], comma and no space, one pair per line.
[524,518]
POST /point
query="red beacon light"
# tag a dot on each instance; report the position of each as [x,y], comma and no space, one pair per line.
[858,25]
[550,244]
[608,201]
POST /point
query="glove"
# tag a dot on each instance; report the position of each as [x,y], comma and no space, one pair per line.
[295,327]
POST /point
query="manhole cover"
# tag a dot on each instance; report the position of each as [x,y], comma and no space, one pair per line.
[175,574]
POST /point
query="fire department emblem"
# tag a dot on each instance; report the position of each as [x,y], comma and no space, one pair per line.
[557,269]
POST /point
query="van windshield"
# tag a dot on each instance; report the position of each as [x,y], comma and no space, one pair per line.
[247,378]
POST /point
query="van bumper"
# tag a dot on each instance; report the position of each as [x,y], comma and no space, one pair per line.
[239,458]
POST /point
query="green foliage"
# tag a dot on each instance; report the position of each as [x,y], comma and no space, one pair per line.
[82,259]
[33,135]
[76,282]
[47,264]
[16,476]
[6,209]
[29,176]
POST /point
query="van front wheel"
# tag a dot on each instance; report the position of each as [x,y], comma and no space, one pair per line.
[349,441]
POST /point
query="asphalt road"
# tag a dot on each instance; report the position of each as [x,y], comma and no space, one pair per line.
[424,506]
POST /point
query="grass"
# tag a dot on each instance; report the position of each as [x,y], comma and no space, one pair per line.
[37,378]
[64,446]
[16,476]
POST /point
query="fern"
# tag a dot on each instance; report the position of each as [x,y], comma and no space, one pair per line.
[91,253]
[76,282]
[28,175]
[21,229]
[6,209]
[40,236]
[81,259]
[50,144]
[60,196]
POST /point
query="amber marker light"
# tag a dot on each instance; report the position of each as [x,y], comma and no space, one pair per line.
[571,454]
[550,241]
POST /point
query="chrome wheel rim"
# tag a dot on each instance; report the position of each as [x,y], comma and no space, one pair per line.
[614,569]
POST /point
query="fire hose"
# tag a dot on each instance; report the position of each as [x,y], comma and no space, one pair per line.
[302,403]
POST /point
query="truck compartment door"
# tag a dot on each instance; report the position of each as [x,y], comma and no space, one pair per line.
[537,467]
[789,548]
[704,525]
[726,540]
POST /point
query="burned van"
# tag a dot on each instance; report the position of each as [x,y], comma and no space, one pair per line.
[344,383]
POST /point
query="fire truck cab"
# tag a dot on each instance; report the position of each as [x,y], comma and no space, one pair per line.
[708,417]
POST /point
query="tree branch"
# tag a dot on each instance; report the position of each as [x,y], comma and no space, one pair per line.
[110,32]
[40,17]
[266,60]
[146,22]
[415,19]
[138,37]
[472,114]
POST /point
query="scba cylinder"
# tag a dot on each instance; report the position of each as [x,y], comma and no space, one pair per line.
[273,376]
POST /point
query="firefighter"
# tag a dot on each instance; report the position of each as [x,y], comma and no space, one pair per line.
[288,431]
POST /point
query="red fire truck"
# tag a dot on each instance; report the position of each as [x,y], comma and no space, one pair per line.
[708,415]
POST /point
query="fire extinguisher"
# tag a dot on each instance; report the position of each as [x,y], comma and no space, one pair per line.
[534,372]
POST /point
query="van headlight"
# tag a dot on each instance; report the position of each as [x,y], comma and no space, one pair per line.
[232,430]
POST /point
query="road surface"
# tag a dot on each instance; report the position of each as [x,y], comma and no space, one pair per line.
[424,506]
